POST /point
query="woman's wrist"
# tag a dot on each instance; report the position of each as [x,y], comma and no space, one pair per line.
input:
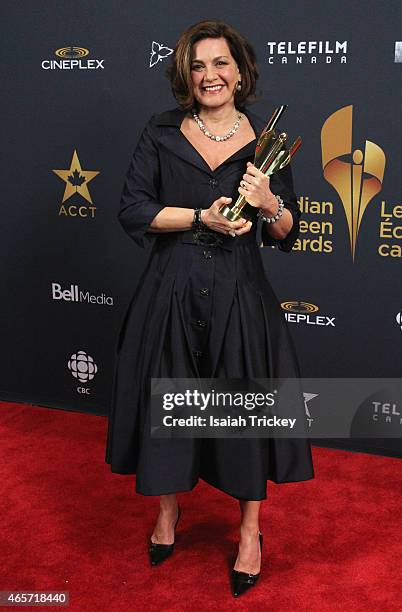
[271,208]
[203,215]
[199,220]
[173,219]
[276,217]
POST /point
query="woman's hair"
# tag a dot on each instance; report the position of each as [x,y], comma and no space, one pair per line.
[179,72]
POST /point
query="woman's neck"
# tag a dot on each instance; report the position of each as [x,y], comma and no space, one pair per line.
[220,116]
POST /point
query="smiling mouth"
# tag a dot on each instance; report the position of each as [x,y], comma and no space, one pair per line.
[213,88]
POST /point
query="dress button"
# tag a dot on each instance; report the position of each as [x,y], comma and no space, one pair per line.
[213,182]
[207,254]
[197,353]
[204,291]
[201,323]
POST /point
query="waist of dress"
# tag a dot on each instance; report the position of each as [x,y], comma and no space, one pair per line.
[208,238]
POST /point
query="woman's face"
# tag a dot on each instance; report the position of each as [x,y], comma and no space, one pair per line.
[214,73]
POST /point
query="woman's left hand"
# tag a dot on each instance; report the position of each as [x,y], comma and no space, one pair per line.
[254,186]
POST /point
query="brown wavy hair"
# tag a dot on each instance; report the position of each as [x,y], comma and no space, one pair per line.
[179,72]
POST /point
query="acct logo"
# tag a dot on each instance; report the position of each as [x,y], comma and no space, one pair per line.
[307,52]
[83,367]
[398,319]
[72,58]
[304,313]
[74,294]
[158,53]
[76,180]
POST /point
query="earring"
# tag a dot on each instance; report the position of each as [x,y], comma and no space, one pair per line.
[238,86]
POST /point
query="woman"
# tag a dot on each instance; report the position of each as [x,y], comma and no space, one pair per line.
[203,306]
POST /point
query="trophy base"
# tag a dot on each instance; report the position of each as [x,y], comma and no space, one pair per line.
[229,214]
[246,212]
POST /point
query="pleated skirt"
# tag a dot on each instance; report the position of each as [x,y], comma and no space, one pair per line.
[201,311]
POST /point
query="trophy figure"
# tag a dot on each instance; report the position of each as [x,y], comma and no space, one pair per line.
[270,156]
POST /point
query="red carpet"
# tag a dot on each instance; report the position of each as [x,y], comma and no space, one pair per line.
[68,523]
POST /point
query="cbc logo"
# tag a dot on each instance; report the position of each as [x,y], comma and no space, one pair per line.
[82,367]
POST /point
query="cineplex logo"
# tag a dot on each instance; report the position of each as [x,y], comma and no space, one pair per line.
[304,313]
[74,294]
[72,58]
[307,52]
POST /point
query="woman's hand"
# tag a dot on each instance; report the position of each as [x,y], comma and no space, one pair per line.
[217,222]
[254,186]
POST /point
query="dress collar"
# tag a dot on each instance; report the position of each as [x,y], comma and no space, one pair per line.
[177,143]
[175,116]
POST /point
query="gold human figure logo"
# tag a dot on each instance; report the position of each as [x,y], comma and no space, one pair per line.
[356,182]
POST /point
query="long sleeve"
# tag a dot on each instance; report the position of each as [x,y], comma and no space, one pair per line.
[139,201]
[282,184]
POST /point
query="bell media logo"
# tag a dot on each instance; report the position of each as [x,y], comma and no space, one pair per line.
[76,180]
[349,177]
[75,294]
[72,58]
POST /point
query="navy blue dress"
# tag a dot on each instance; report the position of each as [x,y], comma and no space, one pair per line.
[198,311]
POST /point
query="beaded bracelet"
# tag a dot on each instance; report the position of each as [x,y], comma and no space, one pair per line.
[278,214]
[197,223]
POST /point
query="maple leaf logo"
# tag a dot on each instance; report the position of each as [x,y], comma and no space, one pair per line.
[76,179]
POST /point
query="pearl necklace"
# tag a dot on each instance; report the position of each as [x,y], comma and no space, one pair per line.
[203,128]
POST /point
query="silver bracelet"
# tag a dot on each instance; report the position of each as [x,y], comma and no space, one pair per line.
[278,214]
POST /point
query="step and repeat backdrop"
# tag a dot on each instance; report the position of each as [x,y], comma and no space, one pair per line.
[80,80]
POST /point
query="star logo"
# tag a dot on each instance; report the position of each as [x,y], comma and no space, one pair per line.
[76,179]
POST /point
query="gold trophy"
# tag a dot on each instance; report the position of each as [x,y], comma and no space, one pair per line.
[270,156]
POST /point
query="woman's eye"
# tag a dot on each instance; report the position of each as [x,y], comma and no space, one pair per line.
[196,67]
[221,62]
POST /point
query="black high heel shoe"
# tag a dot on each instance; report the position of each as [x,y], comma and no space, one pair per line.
[160,552]
[242,581]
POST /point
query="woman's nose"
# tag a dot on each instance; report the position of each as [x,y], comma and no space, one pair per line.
[210,73]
